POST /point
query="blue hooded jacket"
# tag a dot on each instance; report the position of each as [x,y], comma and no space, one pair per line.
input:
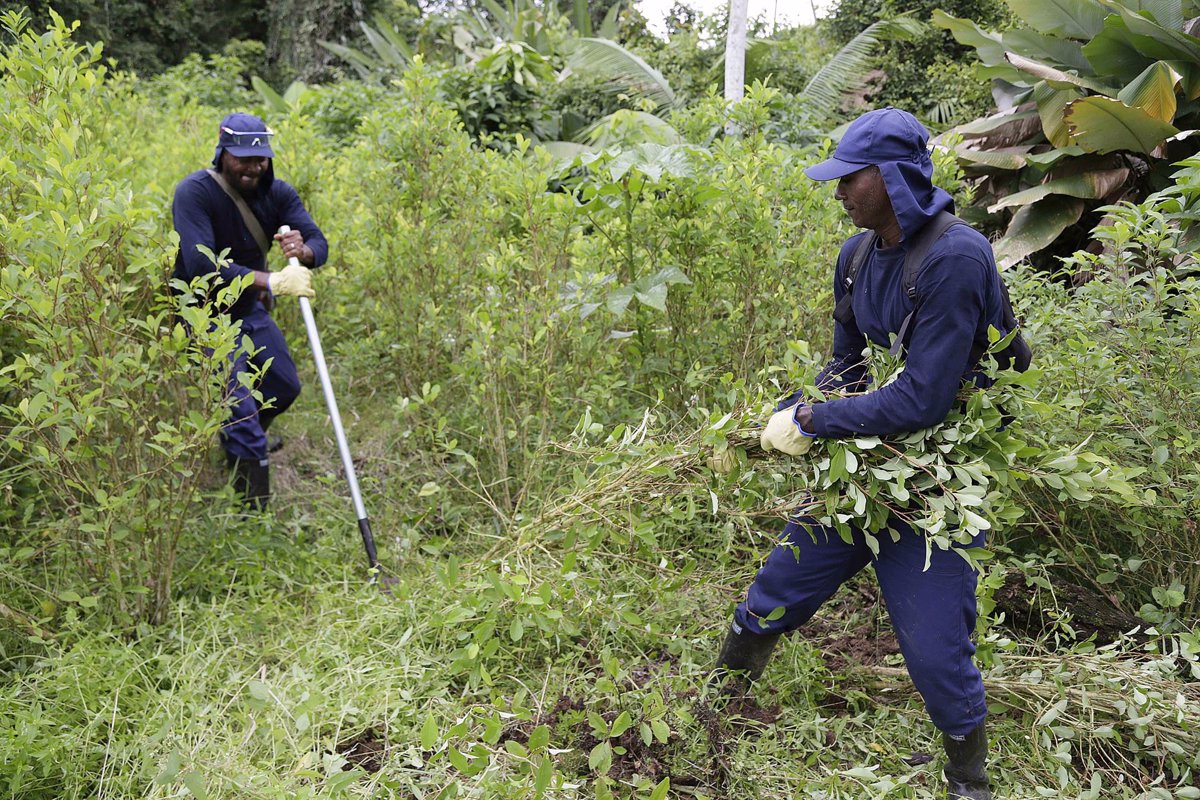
[205,215]
[959,294]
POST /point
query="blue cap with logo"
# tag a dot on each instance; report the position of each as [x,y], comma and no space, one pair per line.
[877,137]
[244,135]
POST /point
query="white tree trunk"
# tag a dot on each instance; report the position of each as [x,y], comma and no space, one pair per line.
[735,57]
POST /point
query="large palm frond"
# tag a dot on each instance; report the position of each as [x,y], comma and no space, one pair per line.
[848,70]
[391,52]
[622,70]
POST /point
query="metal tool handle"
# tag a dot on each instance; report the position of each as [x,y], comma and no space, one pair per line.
[314,341]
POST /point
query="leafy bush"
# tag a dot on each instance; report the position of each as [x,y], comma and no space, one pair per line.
[337,110]
[216,81]
[495,107]
[108,407]
[1120,355]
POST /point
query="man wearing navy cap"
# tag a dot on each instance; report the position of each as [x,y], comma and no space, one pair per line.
[884,176]
[234,205]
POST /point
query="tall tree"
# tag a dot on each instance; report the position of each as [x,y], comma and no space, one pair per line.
[735,51]
[147,36]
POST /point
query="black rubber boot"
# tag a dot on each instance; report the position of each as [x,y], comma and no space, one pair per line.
[966,777]
[252,480]
[745,654]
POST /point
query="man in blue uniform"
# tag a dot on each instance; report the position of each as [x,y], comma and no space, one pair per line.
[884,176]
[233,206]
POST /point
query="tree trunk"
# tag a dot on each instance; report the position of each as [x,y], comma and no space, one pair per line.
[735,57]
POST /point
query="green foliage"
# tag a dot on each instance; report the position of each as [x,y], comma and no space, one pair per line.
[499,97]
[950,482]
[925,75]
[1097,96]
[522,71]
[538,303]
[846,72]
[391,52]
[148,37]
[107,406]
[497,323]
[1131,330]
[216,81]
[689,60]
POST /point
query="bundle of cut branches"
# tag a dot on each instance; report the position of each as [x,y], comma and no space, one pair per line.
[947,481]
[1102,711]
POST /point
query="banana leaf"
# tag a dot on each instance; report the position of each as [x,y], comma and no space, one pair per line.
[1073,19]
[1154,91]
[1036,226]
[1057,78]
[1093,185]
[1104,125]
[1112,52]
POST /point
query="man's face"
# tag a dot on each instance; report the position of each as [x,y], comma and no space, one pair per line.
[243,172]
[865,198]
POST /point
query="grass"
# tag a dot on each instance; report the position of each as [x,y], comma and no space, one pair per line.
[564,656]
[283,674]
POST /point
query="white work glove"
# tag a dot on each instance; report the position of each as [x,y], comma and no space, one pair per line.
[783,434]
[722,463]
[292,280]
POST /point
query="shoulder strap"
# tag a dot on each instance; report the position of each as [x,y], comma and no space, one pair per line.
[922,242]
[252,223]
[844,311]
[914,258]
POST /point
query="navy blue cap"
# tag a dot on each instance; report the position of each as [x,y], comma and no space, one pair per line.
[244,135]
[877,137]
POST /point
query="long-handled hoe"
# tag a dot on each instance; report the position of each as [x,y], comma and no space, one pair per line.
[314,341]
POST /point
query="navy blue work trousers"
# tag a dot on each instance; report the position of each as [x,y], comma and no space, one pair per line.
[245,434]
[933,611]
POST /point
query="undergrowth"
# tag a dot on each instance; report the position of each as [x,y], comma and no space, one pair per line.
[484,314]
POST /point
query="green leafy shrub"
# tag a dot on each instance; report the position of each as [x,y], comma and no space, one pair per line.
[108,407]
[216,81]
[500,96]
[1124,348]
[538,288]
[338,109]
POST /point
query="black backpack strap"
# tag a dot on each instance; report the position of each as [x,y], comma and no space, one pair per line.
[914,256]
[844,311]
[914,259]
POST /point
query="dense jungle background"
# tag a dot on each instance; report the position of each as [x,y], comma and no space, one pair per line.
[564,271]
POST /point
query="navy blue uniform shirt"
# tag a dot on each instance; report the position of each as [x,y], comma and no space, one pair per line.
[959,291]
[205,215]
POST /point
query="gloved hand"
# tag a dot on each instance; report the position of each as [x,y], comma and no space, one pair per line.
[293,280]
[784,435]
[722,463]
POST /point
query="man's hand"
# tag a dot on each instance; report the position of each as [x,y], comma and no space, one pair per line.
[293,246]
[293,280]
[804,419]
[784,435]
